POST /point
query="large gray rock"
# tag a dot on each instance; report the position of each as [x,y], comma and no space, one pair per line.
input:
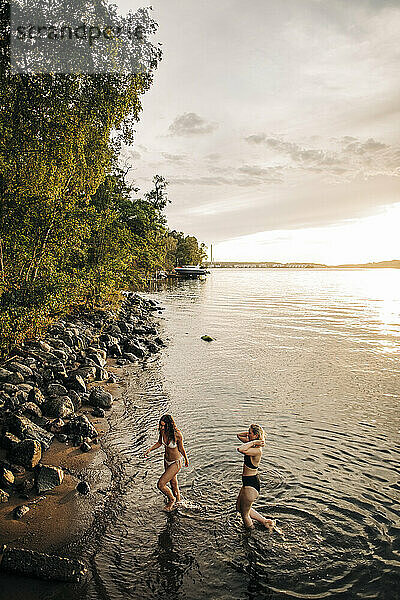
[88,373]
[58,407]
[99,397]
[76,382]
[27,453]
[43,566]
[24,428]
[56,389]
[48,478]
[17,367]
[133,347]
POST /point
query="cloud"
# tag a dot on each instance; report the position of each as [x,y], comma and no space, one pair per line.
[349,155]
[174,158]
[191,124]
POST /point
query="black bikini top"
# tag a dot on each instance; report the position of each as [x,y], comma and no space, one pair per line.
[248,462]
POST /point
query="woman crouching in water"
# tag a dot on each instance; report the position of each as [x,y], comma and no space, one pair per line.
[172,439]
[253,442]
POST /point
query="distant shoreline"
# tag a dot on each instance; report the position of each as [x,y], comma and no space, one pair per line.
[387,264]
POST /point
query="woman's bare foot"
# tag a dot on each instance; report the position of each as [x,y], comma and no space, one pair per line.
[170,505]
[270,524]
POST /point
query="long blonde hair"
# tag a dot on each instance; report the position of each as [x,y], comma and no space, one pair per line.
[258,431]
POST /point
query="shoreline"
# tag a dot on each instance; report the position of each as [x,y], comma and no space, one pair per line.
[79,518]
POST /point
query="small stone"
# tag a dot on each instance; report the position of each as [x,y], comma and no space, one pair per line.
[20,511]
[6,477]
[85,447]
[207,338]
[48,478]
[4,497]
[112,379]
[5,374]
[15,378]
[11,389]
[83,487]
[98,412]
[57,426]
[76,382]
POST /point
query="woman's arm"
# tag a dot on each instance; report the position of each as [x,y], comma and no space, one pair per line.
[243,437]
[251,448]
[154,446]
[179,443]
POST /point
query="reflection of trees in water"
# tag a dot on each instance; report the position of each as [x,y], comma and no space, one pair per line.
[173,561]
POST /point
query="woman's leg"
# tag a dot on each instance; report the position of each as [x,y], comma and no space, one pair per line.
[247,497]
[165,478]
[175,488]
[256,516]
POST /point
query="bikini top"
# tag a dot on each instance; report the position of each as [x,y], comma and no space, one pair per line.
[171,444]
[248,462]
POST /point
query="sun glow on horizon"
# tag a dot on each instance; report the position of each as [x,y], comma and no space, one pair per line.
[371,239]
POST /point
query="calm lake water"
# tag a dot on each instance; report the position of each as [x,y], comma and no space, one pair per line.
[312,356]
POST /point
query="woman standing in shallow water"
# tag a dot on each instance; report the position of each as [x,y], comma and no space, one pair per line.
[253,442]
[172,439]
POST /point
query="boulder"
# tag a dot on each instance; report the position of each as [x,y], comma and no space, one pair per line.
[98,412]
[76,399]
[88,373]
[99,397]
[17,367]
[30,408]
[76,382]
[48,477]
[133,347]
[130,357]
[27,453]
[9,441]
[24,428]
[15,378]
[4,497]
[5,374]
[59,407]
[20,511]
[56,389]
[85,447]
[36,396]
[115,351]
[10,389]
[80,426]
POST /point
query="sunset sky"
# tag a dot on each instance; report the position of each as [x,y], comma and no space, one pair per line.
[277,126]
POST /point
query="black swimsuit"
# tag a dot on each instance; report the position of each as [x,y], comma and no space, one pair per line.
[250,480]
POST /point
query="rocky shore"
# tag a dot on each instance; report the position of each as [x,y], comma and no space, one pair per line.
[55,394]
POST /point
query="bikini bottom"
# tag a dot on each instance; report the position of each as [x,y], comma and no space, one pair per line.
[251,481]
[178,462]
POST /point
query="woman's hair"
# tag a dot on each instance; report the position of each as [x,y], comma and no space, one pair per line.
[170,427]
[258,431]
